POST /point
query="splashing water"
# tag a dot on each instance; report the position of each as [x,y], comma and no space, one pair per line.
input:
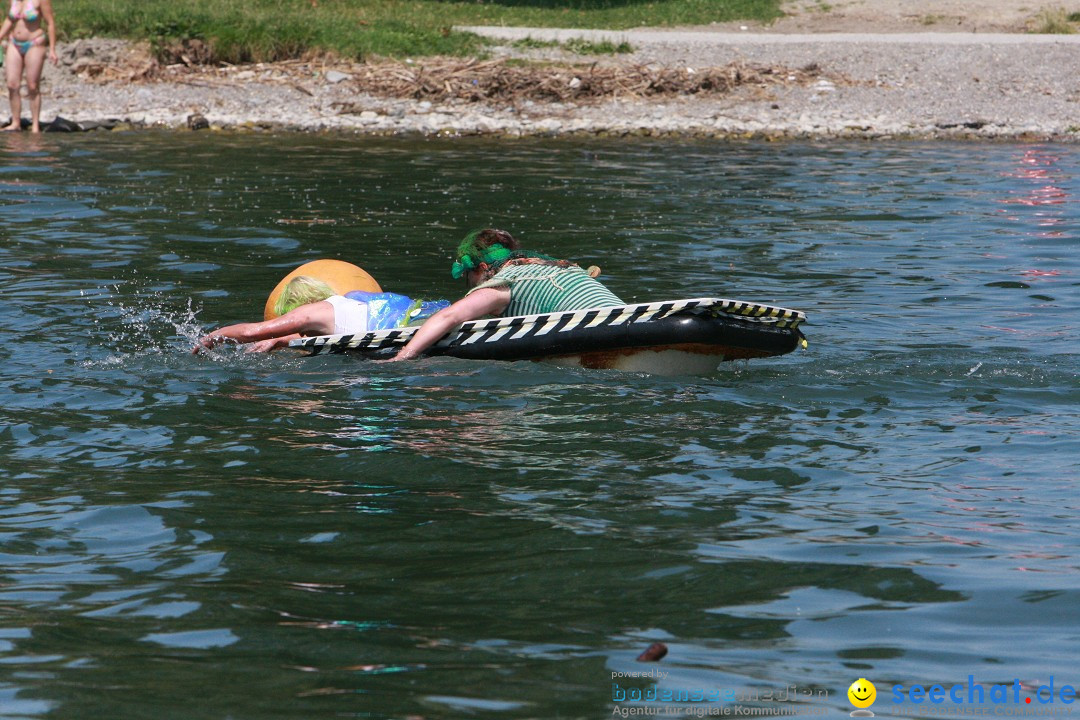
[146,324]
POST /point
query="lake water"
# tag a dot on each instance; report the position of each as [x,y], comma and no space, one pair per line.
[238,536]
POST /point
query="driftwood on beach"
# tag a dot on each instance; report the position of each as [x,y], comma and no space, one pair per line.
[501,81]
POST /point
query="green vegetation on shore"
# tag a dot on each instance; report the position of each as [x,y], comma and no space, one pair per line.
[1055,21]
[267,30]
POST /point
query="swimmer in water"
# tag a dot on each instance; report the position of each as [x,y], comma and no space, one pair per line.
[309,307]
[507,280]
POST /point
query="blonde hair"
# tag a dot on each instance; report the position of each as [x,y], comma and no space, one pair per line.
[301,290]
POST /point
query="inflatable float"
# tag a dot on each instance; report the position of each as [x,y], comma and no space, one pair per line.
[676,337]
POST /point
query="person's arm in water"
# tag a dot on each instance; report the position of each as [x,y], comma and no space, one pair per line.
[312,319]
[486,301]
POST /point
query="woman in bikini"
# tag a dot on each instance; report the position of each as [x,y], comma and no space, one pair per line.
[27,51]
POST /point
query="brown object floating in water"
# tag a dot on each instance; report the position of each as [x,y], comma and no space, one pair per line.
[653,653]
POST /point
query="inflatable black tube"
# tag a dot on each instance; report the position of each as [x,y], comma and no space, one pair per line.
[724,329]
[740,338]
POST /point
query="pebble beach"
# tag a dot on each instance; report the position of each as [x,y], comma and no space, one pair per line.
[873,76]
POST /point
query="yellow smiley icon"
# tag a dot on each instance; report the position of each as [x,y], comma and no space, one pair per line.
[862,693]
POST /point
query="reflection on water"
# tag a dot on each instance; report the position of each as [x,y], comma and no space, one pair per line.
[282,536]
[1040,166]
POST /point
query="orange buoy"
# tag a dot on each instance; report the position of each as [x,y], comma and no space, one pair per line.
[343,277]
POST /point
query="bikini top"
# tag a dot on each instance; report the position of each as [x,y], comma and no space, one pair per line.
[29,13]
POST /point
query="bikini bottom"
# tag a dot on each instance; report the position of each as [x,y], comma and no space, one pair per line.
[24,46]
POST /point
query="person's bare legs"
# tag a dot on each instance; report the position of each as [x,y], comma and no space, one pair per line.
[13,68]
[35,63]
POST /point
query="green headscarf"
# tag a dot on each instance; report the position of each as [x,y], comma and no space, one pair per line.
[470,257]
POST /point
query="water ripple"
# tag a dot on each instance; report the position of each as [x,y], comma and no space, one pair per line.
[325,536]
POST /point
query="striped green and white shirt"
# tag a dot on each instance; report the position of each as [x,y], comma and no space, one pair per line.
[545,288]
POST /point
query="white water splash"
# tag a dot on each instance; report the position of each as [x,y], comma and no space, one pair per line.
[145,325]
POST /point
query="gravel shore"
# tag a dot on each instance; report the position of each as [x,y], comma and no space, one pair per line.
[914,80]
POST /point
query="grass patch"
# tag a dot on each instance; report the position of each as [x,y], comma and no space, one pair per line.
[531,43]
[266,30]
[577,45]
[1053,21]
[604,47]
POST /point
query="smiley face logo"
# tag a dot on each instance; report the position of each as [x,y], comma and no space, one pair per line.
[862,693]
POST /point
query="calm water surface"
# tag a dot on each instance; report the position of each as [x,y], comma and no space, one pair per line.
[278,537]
